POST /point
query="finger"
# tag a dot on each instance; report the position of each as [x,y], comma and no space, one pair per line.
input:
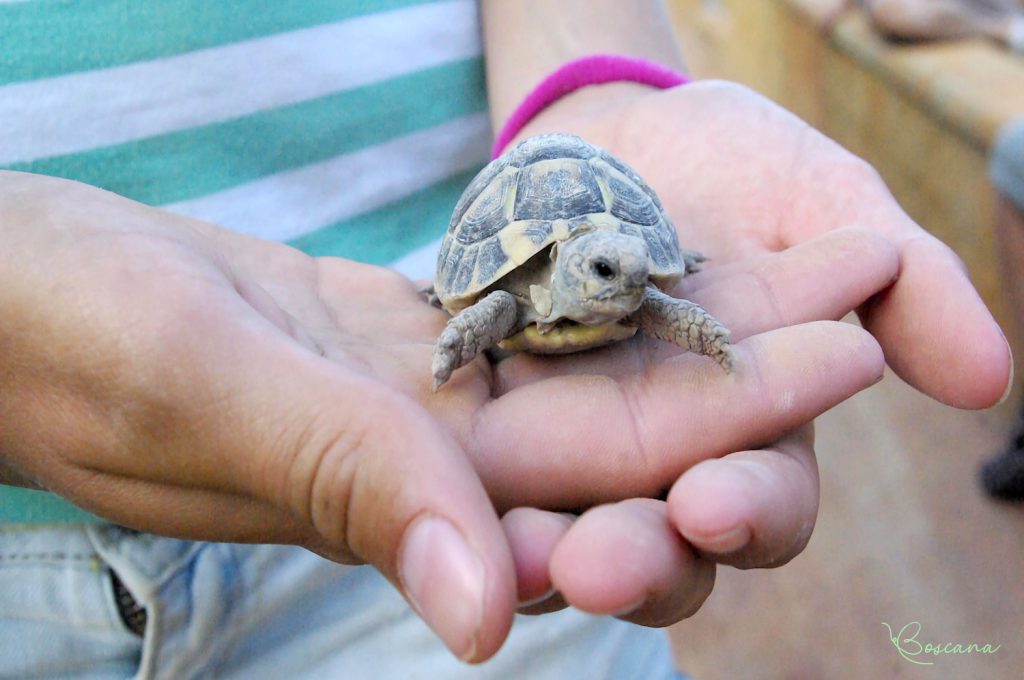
[936,331]
[627,560]
[582,439]
[751,508]
[825,278]
[532,536]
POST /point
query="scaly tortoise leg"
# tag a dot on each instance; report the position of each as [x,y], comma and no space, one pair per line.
[686,324]
[471,331]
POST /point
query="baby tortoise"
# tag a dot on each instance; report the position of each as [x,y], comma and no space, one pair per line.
[557,246]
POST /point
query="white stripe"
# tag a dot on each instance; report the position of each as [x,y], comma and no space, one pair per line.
[81,111]
[420,263]
[289,204]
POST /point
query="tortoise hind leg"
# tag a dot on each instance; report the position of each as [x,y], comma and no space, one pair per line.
[431,295]
[692,260]
[686,324]
[471,331]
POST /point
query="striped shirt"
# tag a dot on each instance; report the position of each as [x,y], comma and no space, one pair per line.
[344,128]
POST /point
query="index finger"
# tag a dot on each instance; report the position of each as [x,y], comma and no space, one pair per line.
[576,440]
[936,331]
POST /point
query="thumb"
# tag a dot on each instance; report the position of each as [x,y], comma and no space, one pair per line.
[380,482]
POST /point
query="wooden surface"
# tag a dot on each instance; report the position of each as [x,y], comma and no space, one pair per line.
[904,534]
[973,87]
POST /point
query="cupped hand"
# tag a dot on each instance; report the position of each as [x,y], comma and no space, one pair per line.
[179,379]
[798,231]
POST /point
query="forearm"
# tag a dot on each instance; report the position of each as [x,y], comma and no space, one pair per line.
[525,40]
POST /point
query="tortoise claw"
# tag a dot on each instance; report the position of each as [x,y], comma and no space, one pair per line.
[447,353]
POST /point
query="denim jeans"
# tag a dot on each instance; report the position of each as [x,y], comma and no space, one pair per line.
[217,610]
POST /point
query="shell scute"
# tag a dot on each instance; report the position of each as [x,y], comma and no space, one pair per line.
[491,257]
[460,274]
[631,203]
[538,231]
[478,184]
[487,215]
[556,190]
[550,147]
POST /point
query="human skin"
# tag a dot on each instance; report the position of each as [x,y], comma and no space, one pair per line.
[180,379]
[776,206]
[183,380]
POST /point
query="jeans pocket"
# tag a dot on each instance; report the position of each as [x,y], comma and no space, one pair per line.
[133,615]
[59,611]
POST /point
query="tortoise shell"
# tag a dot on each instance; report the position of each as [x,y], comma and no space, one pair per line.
[538,194]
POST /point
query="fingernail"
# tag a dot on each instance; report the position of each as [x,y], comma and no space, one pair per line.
[1010,384]
[727,541]
[630,608]
[444,580]
[536,600]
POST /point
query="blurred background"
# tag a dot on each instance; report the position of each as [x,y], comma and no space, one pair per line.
[906,531]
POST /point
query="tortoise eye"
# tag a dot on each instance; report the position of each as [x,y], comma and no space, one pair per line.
[604,269]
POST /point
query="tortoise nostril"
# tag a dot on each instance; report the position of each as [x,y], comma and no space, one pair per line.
[604,269]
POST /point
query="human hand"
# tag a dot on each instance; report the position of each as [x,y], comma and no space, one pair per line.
[797,230]
[179,379]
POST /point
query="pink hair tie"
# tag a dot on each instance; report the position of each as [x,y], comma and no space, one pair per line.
[593,70]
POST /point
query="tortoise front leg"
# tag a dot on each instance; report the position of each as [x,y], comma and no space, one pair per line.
[686,324]
[471,331]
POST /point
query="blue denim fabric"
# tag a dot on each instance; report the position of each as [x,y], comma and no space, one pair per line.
[243,611]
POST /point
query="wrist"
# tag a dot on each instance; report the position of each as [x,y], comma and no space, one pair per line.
[527,40]
[579,75]
[579,110]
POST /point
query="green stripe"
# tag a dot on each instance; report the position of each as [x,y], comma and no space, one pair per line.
[47,38]
[388,233]
[202,160]
[25,506]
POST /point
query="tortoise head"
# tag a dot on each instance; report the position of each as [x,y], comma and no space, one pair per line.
[599,277]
